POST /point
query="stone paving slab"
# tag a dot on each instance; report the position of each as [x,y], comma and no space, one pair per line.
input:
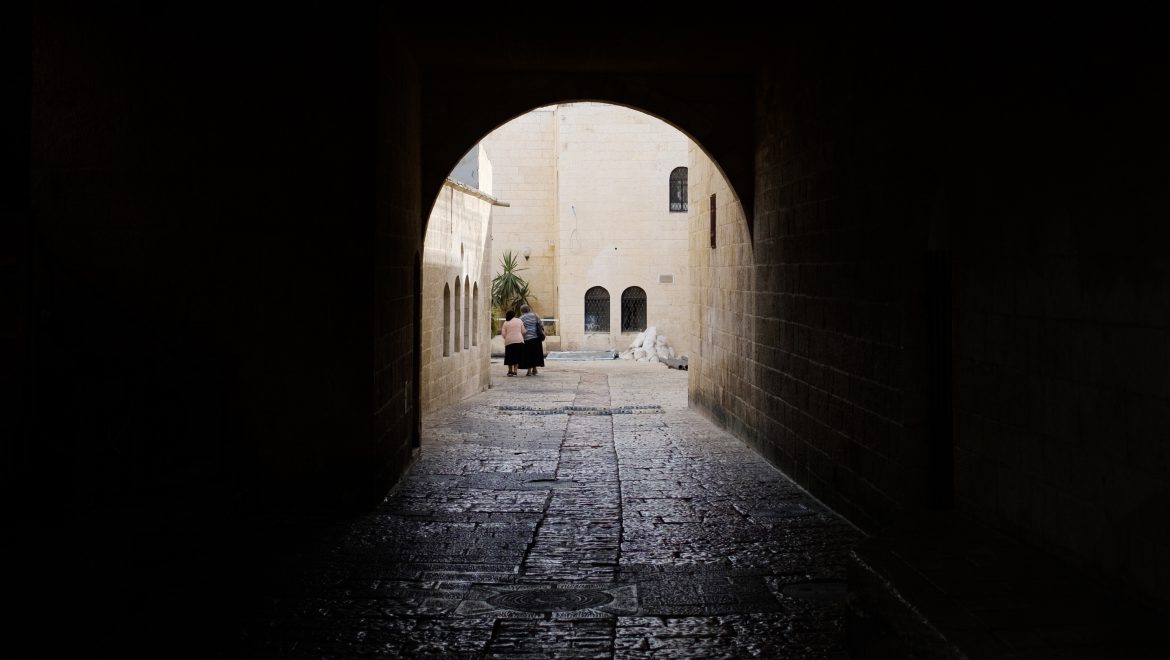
[589,531]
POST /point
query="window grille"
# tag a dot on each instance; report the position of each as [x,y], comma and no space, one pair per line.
[633,309]
[678,190]
[597,310]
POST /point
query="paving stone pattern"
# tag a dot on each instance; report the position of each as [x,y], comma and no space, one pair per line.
[572,536]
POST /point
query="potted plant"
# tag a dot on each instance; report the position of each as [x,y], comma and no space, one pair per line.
[509,290]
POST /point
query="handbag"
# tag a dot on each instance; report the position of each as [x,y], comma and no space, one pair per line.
[540,330]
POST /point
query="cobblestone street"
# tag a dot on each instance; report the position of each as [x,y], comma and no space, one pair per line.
[584,512]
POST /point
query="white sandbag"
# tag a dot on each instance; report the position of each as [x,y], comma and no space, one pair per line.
[637,343]
[653,358]
[641,359]
[628,355]
[651,337]
[660,340]
[663,352]
[639,354]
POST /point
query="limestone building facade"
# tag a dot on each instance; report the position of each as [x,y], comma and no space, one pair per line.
[456,286]
[598,212]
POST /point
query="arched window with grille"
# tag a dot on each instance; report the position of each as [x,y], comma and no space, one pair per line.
[458,302]
[678,190]
[597,310]
[633,309]
[446,320]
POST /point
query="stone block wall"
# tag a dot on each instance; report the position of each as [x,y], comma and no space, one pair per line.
[811,327]
[898,197]
[398,246]
[524,173]
[1061,315]
[721,327]
[456,348]
[588,189]
[220,269]
[616,229]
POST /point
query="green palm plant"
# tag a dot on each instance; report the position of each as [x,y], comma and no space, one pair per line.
[509,290]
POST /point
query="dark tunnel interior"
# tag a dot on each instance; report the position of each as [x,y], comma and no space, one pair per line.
[959,306]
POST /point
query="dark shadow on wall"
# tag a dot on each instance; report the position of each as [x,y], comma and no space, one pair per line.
[202,337]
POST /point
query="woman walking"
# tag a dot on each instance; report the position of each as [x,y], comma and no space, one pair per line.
[513,333]
[533,340]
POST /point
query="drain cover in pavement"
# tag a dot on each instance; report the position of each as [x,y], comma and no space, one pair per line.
[579,410]
[817,591]
[551,600]
[563,601]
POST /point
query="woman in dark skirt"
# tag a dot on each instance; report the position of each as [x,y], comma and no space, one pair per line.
[533,356]
[513,333]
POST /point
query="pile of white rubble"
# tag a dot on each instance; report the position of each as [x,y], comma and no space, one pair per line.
[648,346]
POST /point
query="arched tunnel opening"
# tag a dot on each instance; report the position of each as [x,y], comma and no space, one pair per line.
[217,258]
[574,200]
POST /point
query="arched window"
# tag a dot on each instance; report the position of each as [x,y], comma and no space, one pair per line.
[458,300]
[446,320]
[475,315]
[466,313]
[678,190]
[633,309]
[597,310]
